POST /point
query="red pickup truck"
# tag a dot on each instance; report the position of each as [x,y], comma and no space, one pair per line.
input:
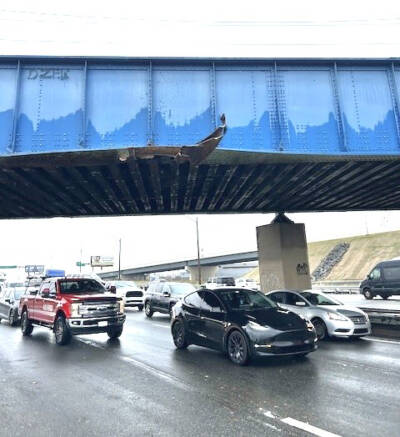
[72,306]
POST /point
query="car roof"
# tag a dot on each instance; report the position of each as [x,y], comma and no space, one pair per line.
[229,288]
[392,263]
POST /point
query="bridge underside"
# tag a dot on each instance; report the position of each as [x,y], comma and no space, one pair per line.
[105,183]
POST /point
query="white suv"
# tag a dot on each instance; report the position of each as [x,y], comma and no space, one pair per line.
[219,282]
[248,283]
[132,295]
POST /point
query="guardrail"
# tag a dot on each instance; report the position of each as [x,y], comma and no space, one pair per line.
[343,289]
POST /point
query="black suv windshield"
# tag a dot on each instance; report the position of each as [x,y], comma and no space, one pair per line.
[245,300]
[182,289]
[81,286]
[18,293]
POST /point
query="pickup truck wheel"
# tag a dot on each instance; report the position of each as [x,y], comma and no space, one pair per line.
[61,331]
[115,332]
[147,309]
[26,324]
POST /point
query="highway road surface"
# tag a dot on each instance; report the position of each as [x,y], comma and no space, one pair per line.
[140,385]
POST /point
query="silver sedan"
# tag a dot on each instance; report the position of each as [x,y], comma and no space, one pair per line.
[329,316]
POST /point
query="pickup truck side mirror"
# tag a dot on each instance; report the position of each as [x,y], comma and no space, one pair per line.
[113,289]
[7,300]
[46,292]
[369,276]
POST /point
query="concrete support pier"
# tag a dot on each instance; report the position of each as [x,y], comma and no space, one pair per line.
[206,272]
[283,255]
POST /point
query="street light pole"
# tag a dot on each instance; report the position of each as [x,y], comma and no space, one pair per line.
[119,260]
[198,250]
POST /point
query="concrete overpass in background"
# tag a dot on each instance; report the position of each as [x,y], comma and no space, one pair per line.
[190,264]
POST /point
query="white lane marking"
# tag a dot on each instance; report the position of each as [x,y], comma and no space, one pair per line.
[91,343]
[161,326]
[267,413]
[163,375]
[159,373]
[380,340]
[307,427]
[261,422]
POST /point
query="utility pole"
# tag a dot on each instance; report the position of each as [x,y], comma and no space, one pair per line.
[198,250]
[119,260]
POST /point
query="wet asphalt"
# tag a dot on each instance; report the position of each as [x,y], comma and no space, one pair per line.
[140,385]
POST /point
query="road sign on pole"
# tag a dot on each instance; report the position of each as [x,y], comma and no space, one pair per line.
[34,268]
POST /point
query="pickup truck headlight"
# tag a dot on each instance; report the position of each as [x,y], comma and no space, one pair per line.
[122,306]
[336,316]
[75,310]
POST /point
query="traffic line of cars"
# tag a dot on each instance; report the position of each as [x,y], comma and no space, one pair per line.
[244,323]
[241,322]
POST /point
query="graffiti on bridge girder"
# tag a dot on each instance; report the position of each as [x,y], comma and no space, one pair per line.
[48,73]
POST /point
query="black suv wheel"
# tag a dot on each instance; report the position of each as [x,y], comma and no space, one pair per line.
[179,335]
[61,331]
[237,348]
[12,318]
[147,309]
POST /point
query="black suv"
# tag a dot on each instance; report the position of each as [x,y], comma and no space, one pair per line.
[162,296]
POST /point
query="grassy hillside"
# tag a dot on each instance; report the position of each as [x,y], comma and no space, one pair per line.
[365,251]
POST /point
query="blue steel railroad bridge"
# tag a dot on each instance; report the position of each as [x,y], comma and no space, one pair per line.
[124,136]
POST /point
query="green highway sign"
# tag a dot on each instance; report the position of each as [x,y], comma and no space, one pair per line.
[81,264]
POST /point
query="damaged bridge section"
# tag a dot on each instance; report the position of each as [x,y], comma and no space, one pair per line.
[123,136]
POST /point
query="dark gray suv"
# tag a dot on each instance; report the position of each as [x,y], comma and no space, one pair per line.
[162,296]
[9,302]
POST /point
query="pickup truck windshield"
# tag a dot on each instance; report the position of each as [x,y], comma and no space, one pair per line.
[81,286]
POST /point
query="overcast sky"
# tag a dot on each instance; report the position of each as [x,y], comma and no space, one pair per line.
[174,28]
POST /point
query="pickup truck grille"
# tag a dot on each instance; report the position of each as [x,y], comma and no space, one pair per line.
[99,309]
